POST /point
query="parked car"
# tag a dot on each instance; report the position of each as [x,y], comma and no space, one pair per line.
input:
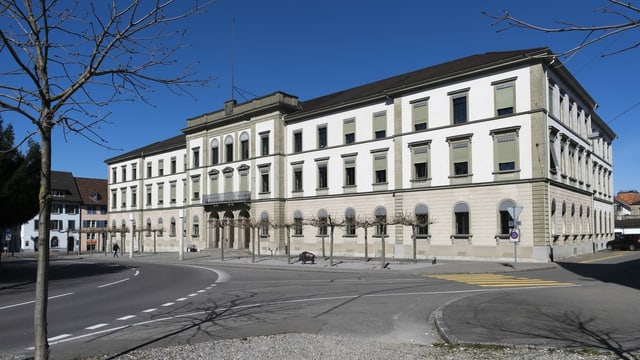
[625,241]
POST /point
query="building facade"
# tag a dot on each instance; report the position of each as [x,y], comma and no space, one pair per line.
[78,215]
[431,163]
[93,214]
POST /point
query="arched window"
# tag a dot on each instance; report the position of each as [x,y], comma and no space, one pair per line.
[215,152]
[264,226]
[350,222]
[322,222]
[381,221]
[160,227]
[297,223]
[228,148]
[553,217]
[195,227]
[148,226]
[172,227]
[244,146]
[506,221]
[422,219]
[461,213]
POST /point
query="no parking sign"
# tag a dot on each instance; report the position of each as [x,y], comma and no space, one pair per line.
[514,235]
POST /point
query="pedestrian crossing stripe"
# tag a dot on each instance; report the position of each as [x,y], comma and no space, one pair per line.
[498,280]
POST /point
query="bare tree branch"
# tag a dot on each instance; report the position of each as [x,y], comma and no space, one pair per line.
[624,11]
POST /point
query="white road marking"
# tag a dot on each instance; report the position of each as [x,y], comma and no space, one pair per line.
[127,317]
[149,310]
[201,291]
[96,326]
[181,299]
[113,283]
[192,295]
[32,301]
[55,338]
[167,304]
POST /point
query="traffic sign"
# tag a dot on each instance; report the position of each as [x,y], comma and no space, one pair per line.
[515,211]
[514,235]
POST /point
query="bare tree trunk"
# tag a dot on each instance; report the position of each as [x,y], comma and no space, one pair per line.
[42,275]
[288,249]
[253,244]
[383,252]
[413,237]
[331,246]
[366,245]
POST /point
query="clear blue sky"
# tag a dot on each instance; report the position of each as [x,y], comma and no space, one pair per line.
[313,48]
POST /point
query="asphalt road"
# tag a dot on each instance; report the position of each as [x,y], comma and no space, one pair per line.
[116,307]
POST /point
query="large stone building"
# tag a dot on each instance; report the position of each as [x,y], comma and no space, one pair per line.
[451,149]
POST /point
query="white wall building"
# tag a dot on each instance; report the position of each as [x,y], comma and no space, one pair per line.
[449,149]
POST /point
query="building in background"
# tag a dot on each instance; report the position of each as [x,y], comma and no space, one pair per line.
[73,200]
[627,212]
[456,160]
[93,214]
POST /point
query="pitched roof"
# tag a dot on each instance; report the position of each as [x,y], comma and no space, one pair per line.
[629,197]
[423,77]
[178,141]
[63,181]
[92,191]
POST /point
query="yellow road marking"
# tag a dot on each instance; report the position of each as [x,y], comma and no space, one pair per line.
[497,280]
[604,258]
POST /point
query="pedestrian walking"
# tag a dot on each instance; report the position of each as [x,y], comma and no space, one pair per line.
[116,248]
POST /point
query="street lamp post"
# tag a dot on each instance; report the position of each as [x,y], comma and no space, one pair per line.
[132,234]
[181,245]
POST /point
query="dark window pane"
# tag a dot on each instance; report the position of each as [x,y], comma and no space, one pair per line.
[461,168]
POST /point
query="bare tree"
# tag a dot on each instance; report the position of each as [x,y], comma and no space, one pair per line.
[329,222]
[62,61]
[625,17]
[364,222]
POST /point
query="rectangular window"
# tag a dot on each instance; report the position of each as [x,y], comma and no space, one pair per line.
[174,165]
[264,178]
[380,125]
[264,182]
[505,150]
[114,198]
[420,161]
[264,139]
[148,202]
[215,155]
[134,172]
[460,157]
[124,173]
[297,141]
[462,223]
[419,114]
[459,108]
[160,193]
[134,196]
[322,176]
[505,98]
[322,136]
[196,158]
[114,175]
[172,192]
[123,199]
[349,130]
[71,225]
[195,188]
[229,150]
[380,168]
[149,169]
[244,149]
[297,179]
[160,167]
[349,172]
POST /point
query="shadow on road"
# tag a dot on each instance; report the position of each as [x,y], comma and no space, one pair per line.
[624,273]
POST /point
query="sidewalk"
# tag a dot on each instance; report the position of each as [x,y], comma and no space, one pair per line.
[238,258]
